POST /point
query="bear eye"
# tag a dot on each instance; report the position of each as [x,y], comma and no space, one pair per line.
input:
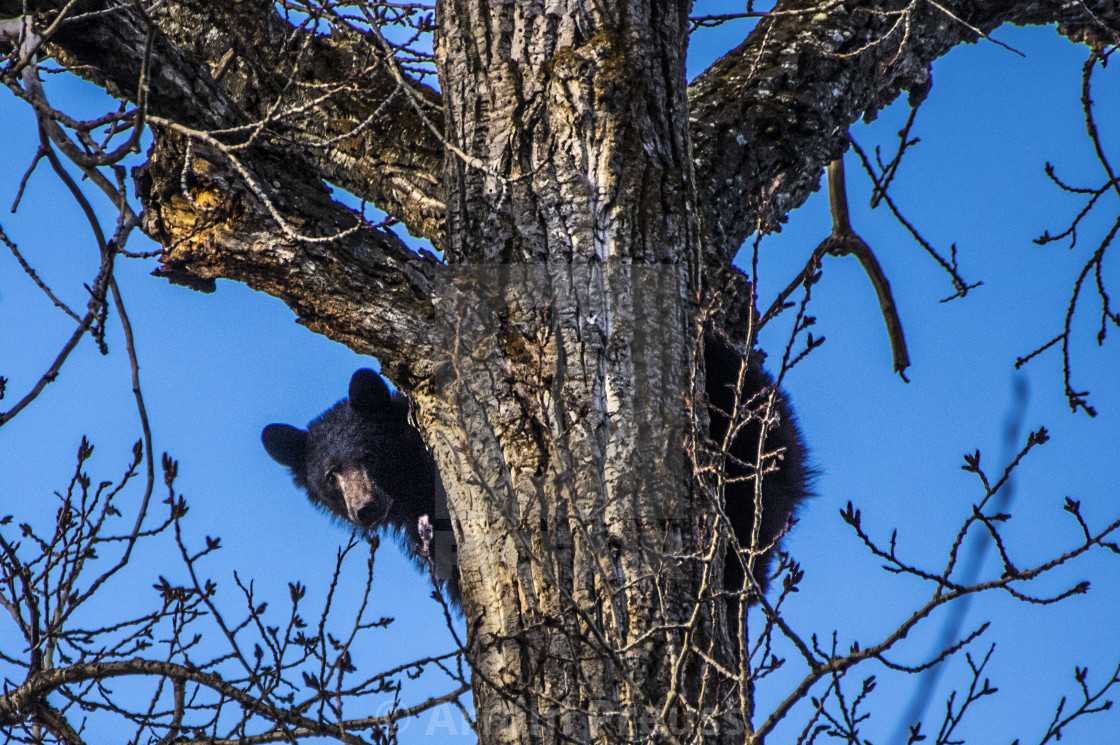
[334,482]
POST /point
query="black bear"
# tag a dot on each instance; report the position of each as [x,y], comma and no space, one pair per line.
[362,461]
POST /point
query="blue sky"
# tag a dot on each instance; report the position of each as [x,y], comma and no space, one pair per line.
[216,368]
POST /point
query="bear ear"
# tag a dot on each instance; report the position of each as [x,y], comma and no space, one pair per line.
[287,445]
[368,393]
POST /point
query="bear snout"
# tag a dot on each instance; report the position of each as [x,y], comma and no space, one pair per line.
[365,504]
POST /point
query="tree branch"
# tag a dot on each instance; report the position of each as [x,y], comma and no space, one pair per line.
[357,285]
[768,117]
[253,66]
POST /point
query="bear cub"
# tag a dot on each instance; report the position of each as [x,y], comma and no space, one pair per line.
[364,463]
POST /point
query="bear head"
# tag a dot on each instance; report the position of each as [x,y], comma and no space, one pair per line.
[358,460]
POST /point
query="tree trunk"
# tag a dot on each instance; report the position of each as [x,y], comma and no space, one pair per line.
[559,421]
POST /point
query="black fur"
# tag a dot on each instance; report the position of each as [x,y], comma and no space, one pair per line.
[786,475]
[370,433]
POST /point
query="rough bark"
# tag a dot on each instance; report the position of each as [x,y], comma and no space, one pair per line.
[358,285]
[567,406]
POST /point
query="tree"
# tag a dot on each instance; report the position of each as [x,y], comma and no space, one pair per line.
[587,204]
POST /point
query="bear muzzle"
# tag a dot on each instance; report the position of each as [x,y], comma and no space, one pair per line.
[366,505]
